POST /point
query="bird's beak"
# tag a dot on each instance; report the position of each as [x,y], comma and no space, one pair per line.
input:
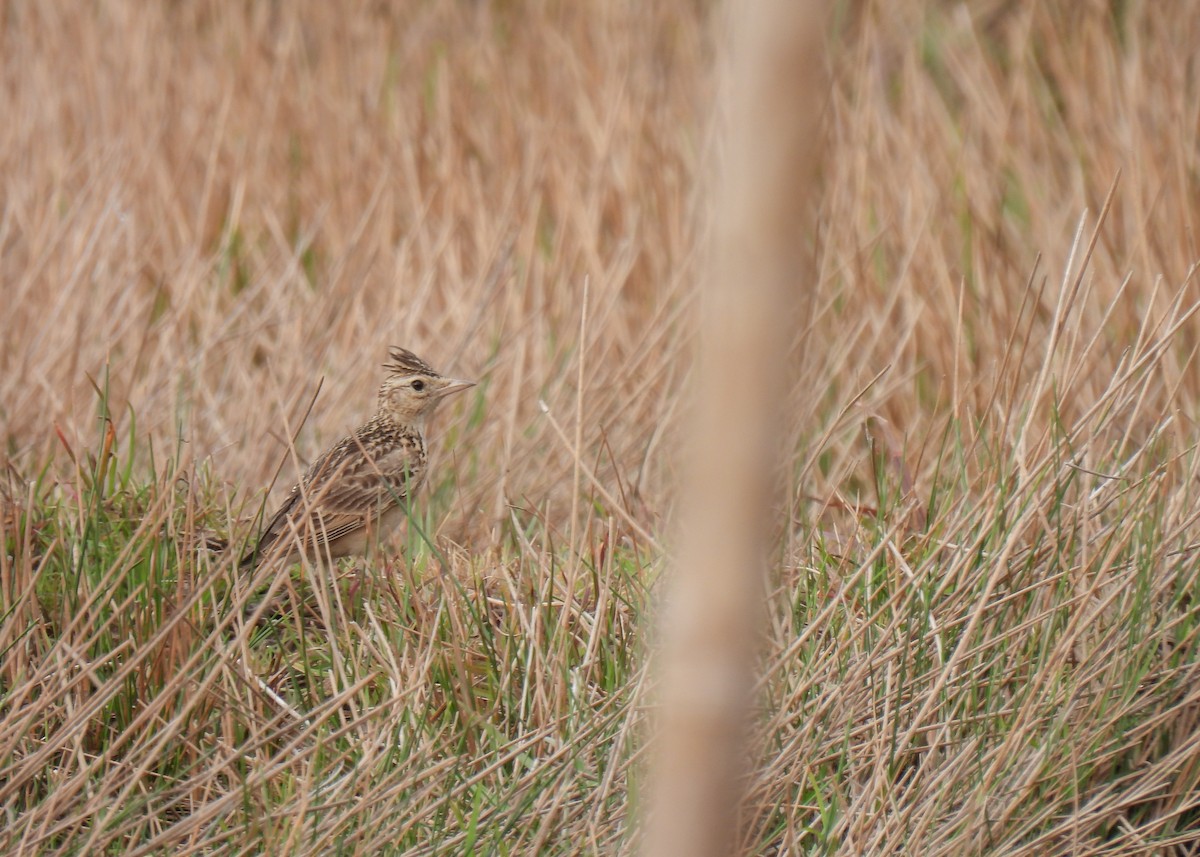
[453,385]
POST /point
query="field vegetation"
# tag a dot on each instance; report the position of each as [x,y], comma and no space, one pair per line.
[983,622]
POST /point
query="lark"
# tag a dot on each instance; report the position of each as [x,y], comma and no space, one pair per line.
[358,491]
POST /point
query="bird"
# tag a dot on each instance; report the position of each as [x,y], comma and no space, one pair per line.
[357,492]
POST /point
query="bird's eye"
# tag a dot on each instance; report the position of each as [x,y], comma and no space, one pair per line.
[418,385]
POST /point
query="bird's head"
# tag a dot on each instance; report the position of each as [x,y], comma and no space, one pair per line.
[412,389]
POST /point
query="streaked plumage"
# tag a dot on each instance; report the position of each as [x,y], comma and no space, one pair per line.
[357,492]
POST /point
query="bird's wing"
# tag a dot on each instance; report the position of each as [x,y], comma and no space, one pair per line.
[354,482]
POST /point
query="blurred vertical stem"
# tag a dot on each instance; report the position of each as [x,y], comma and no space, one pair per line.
[772,96]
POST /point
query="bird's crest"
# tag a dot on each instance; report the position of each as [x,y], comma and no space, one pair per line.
[401,361]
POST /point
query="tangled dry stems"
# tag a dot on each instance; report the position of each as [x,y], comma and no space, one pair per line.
[982,635]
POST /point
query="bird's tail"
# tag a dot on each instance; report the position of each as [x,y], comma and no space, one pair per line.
[215,546]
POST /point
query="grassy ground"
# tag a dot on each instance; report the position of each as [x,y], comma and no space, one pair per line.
[983,626]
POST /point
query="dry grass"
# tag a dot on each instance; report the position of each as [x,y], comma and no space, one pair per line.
[982,634]
[756,259]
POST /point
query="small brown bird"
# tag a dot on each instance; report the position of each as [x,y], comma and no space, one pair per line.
[357,492]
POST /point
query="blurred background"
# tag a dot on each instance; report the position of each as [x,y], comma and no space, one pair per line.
[225,203]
